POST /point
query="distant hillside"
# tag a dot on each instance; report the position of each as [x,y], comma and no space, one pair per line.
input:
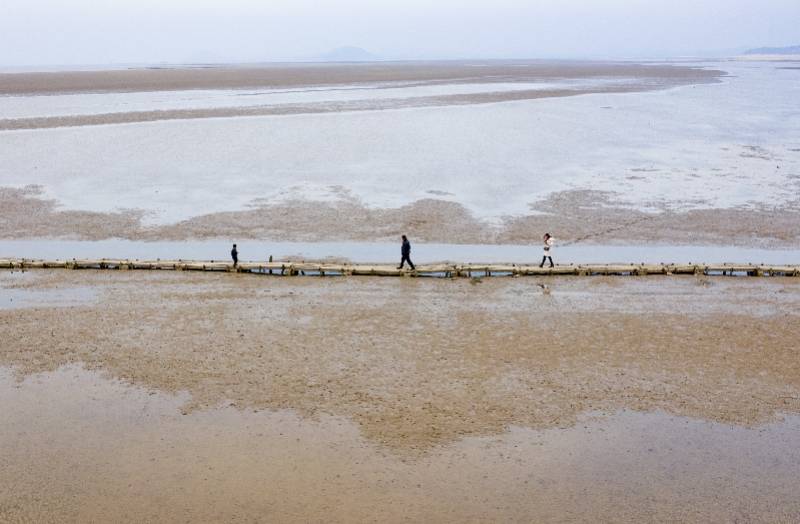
[348,54]
[789,50]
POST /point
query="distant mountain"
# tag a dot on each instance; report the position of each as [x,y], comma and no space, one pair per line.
[348,54]
[789,50]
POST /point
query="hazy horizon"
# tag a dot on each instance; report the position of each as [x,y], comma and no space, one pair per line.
[95,32]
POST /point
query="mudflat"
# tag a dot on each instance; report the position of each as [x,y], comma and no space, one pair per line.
[288,75]
[445,152]
[239,397]
[584,216]
[565,79]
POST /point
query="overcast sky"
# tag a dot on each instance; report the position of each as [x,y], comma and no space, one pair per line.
[34,32]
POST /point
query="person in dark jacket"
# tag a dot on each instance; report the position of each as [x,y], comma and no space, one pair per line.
[405,254]
[235,256]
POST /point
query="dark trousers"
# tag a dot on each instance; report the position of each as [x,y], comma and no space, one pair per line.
[545,258]
[235,261]
[406,258]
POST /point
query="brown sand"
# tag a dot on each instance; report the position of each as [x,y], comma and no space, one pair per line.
[306,75]
[580,215]
[385,380]
[429,400]
[416,363]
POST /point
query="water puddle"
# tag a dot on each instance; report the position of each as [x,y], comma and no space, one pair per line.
[22,290]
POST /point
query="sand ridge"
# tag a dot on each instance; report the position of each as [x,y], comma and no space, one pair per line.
[171,78]
[615,78]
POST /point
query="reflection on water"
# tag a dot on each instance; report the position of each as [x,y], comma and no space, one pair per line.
[96,449]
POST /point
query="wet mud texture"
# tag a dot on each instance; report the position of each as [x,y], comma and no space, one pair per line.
[419,363]
[80,448]
[584,216]
[173,397]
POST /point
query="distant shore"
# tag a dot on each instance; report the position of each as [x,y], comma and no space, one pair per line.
[286,75]
[616,77]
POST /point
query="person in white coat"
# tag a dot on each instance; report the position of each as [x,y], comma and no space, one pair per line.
[548,250]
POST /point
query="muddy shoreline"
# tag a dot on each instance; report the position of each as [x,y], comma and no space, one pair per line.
[585,216]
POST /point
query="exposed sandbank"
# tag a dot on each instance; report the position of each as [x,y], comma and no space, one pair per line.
[293,75]
[574,216]
[617,78]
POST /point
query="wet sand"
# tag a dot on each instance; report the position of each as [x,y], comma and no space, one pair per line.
[234,397]
[585,216]
[307,75]
[88,449]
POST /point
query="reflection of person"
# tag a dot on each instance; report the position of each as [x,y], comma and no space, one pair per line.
[548,250]
[405,254]
[235,256]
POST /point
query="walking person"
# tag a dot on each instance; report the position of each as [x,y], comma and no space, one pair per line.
[405,254]
[548,250]
[235,256]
